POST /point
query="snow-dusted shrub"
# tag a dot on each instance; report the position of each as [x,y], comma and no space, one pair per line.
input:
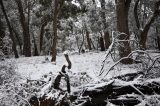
[7,46]
[80,78]
[8,77]
[153,100]
[7,72]
[13,93]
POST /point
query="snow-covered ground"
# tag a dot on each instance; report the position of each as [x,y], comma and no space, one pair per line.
[85,64]
[84,72]
[85,67]
[35,67]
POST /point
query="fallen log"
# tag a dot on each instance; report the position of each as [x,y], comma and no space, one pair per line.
[124,102]
[42,101]
[128,76]
[99,94]
[111,91]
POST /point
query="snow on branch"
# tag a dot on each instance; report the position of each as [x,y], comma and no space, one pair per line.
[130,56]
[114,45]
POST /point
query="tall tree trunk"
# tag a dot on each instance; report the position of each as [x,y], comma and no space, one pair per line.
[143,33]
[10,30]
[102,44]
[92,44]
[19,40]
[77,39]
[158,38]
[29,53]
[105,25]
[146,28]
[80,48]
[122,8]
[158,41]
[88,40]
[41,34]
[138,25]
[2,34]
[57,7]
[35,46]
[25,27]
[145,14]
[55,15]
[136,14]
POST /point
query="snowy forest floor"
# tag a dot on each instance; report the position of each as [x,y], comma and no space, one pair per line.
[35,67]
[84,72]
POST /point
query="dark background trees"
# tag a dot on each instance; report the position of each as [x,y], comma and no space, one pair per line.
[78,25]
[25,27]
[10,30]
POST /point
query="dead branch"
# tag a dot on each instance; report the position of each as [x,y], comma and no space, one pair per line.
[115,43]
[64,74]
[130,56]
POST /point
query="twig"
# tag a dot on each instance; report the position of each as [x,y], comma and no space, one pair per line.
[107,54]
[138,90]
[17,95]
[151,66]
[114,41]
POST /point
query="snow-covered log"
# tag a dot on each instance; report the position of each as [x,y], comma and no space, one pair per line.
[125,102]
[129,76]
[112,91]
[115,88]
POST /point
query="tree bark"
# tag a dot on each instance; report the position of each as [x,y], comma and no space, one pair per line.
[54,49]
[77,39]
[107,39]
[105,25]
[80,48]
[158,38]
[25,27]
[88,40]
[10,30]
[136,14]
[158,41]
[57,8]
[41,34]
[92,44]
[102,44]
[122,8]
[2,34]
[19,40]
[35,46]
